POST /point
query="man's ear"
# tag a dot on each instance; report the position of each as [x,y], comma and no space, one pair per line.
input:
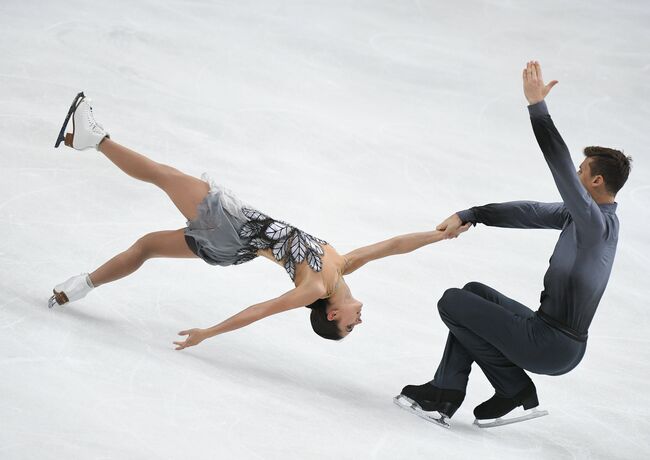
[332,314]
[598,181]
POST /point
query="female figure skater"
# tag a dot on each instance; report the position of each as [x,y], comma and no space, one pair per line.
[222,230]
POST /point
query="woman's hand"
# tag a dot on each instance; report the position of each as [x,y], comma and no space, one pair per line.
[194,337]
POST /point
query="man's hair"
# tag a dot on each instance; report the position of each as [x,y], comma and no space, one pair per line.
[612,164]
[319,322]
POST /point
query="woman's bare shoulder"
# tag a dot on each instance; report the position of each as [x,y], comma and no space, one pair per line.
[313,284]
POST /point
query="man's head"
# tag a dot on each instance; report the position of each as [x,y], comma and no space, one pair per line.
[604,171]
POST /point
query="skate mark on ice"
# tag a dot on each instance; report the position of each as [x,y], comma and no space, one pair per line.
[40,190]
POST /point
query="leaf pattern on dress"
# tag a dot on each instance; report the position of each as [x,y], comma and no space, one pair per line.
[290,267]
[289,245]
[254,214]
[250,229]
[281,248]
[312,242]
[278,230]
[259,243]
[315,262]
[298,248]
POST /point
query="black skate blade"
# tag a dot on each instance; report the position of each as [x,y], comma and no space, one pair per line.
[409,405]
[526,415]
[73,107]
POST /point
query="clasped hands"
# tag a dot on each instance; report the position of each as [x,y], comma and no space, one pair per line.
[453,226]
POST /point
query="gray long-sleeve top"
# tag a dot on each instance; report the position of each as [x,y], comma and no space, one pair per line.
[582,260]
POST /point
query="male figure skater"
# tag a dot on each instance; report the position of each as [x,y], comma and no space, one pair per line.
[503,336]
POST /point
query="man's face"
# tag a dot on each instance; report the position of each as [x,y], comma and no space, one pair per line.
[584,173]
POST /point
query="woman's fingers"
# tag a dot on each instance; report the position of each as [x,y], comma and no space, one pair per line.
[184,333]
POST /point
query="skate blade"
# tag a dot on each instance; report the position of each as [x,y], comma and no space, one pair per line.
[73,107]
[51,302]
[59,298]
[435,417]
[528,415]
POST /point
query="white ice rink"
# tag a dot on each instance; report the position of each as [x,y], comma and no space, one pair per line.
[356,121]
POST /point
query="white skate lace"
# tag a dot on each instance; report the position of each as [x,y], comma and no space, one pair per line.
[92,124]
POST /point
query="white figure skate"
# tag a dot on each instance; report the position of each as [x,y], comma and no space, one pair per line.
[73,289]
[86,132]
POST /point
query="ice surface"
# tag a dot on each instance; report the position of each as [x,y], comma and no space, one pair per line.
[355,121]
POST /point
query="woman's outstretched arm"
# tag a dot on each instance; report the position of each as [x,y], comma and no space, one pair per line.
[298,297]
[398,245]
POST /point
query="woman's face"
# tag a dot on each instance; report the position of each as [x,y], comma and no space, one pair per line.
[346,310]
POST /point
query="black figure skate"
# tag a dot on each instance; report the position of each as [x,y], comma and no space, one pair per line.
[430,402]
[491,412]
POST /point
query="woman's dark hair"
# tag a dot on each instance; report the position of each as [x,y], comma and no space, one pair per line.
[319,322]
[612,164]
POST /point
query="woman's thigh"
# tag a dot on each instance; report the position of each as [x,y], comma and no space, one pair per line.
[166,243]
[185,191]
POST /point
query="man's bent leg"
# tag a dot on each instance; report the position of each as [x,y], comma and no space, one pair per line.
[480,328]
[495,296]
[455,366]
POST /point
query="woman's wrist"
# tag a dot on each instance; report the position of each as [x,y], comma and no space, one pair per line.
[209,332]
[436,235]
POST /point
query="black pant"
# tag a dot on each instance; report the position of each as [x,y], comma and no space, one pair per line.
[503,337]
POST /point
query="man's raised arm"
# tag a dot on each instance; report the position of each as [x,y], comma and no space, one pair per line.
[578,201]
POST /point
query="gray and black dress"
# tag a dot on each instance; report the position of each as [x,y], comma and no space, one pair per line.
[229,232]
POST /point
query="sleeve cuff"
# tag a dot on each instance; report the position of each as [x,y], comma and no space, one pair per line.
[468,215]
[538,110]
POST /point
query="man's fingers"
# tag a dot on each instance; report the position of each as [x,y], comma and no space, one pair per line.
[538,70]
[551,84]
[441,227]
[184,333]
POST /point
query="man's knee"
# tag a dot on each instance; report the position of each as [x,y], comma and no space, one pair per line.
[449,300]
[475,287]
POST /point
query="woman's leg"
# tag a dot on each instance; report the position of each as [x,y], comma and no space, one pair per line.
[185,191]
[169,243]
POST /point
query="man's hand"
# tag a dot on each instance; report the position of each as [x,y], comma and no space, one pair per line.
[194,337]
[452,226]
[534,88]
